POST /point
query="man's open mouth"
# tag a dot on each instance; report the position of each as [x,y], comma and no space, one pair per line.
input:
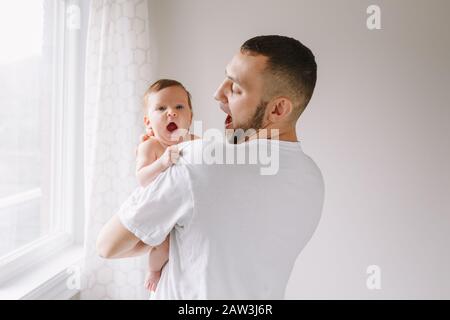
[172,126]
[229,118]
[228,122]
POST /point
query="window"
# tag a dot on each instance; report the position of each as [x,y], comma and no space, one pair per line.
[37,79]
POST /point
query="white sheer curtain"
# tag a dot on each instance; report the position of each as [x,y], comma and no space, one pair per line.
[118,70]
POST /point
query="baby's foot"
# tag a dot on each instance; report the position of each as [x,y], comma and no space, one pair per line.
[152,279]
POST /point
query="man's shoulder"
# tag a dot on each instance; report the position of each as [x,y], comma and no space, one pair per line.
[188,149]
[189,144]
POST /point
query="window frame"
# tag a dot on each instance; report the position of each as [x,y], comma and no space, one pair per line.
[66,184]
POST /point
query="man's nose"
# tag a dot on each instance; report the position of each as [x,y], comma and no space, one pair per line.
[219,94]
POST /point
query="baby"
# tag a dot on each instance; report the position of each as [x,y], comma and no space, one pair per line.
[168,116]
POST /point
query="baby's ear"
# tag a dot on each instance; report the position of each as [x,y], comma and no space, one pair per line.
[146,121]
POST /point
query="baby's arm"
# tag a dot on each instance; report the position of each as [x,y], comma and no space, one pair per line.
[148,165]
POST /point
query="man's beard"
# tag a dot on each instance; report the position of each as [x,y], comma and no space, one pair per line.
[252,125]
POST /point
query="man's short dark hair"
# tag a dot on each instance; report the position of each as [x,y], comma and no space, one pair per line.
[291,67]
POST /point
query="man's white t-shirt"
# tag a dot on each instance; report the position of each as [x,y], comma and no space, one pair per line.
[235,233]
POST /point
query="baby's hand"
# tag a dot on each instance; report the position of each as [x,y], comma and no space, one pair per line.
[170,156]
[152,279]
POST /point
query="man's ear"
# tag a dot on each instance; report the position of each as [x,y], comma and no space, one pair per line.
[279,109]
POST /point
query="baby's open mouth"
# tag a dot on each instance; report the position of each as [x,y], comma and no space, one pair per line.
[172,126]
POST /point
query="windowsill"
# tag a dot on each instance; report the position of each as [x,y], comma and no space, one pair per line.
[46,280]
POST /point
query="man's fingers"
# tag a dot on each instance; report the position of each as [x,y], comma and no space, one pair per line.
[149,132]
[144,137]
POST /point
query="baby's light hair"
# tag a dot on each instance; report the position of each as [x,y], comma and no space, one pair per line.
[162,84]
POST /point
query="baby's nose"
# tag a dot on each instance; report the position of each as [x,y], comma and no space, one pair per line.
[172,113]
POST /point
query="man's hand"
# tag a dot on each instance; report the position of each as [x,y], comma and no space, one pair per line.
[148,133]
[144,137]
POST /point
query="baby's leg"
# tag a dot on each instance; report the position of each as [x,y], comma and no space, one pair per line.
[158,257]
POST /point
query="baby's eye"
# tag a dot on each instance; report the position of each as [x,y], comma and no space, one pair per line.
[161,108]
[180,107]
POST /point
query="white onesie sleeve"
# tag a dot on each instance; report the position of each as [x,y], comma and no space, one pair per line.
[150,213]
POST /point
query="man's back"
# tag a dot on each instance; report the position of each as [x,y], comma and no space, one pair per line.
[246,228]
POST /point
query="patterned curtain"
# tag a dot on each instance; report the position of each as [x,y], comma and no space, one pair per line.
[118,71]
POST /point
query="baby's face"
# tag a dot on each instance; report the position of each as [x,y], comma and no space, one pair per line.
[168,111]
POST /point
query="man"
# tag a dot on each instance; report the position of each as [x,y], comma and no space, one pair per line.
[234,233]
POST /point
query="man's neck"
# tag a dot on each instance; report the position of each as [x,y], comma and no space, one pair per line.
[287,134]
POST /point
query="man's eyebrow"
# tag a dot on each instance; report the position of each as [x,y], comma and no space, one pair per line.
[232,79]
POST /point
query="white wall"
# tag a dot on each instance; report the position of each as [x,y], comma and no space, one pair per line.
[377,126]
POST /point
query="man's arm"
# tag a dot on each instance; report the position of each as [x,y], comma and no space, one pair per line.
[115,241]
